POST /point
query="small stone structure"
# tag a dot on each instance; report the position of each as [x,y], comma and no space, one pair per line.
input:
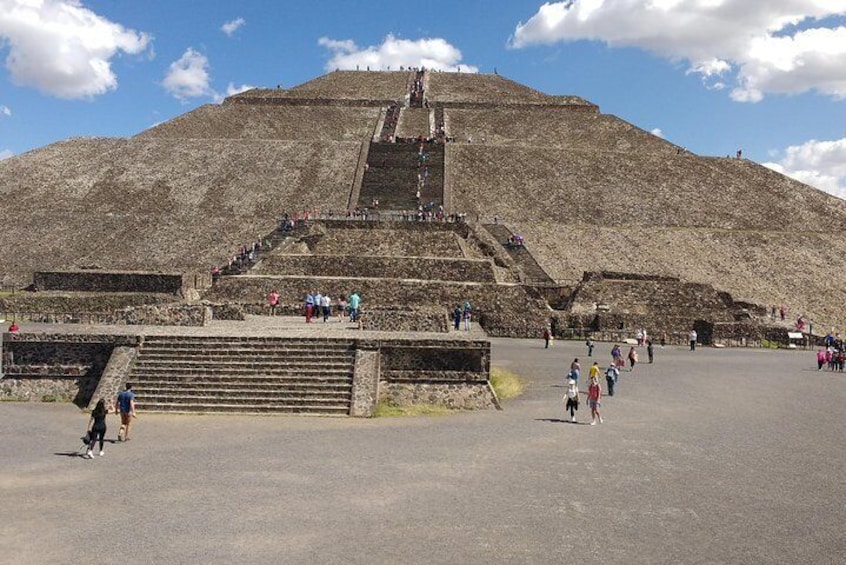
[84,367]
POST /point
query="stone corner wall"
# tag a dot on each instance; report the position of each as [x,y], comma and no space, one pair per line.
[365,391]
[186,315]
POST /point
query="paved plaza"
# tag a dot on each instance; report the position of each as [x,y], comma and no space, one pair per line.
[715,456]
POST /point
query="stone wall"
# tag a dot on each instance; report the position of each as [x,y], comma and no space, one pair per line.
[406,320]
[463,270]
[365,390]
[450,374]
[194,315]
[56,367]
[98,281]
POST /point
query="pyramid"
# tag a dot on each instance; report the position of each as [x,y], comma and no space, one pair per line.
[591,194]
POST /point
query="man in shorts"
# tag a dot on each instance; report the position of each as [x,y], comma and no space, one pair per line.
[126,409]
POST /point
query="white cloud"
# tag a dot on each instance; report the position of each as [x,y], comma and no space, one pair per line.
[394,53]
[657,132]
[5,154]
[62,48]
[5,110]
[188,77]
[818,163]
[232,90]
[771,46]
[231,27]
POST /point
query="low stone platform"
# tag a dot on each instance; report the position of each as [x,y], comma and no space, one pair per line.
[261,364]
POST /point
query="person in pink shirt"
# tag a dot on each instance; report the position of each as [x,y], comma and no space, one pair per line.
[821,359]
[594,395]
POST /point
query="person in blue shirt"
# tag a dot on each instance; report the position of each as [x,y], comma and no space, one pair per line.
[354,302]
[126,408]
[309,306]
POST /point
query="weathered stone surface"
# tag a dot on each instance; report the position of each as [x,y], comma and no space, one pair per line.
[406,320]
[457,396]
[95,281]
[365,390]
[113,376]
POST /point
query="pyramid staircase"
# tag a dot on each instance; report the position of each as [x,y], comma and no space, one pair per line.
[392,176]
[535,274]
[244,374]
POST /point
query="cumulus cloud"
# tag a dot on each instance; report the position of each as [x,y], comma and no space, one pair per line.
[232,90]
[188,77]
[231,27]
[657,132]
[62,48]
[393,53]
[818,163]
[5,154]
[765,46]
[5,111]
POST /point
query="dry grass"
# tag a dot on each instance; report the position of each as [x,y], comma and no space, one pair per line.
[506,384]
[388,410]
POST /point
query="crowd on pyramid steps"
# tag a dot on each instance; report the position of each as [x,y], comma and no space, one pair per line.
[417,91]
[243,259]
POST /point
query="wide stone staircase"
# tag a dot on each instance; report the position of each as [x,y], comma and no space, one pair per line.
[244,374]
[391,177]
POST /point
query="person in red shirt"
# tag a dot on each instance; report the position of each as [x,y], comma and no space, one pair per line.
[594,395]
[273,301]
[13,329]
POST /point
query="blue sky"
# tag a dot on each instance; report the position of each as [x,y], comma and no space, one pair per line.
[715,76]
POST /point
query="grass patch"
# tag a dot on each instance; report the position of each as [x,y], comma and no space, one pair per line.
[506,384]
[387,410]
[767,344]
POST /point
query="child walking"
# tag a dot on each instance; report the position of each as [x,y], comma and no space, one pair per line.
[571,397]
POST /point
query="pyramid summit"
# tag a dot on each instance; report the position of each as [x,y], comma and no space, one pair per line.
[610,215]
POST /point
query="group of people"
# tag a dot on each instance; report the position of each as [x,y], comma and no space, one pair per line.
[832,356]
[462,313]
[572,398]
[96,429]
[318,304]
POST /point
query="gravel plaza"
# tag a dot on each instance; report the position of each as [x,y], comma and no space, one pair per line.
[712,456]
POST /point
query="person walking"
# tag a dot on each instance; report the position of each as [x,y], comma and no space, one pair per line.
[309,306]
[594,397]
[126,408]
[547,336]
[632,358]
[354,302]
[612,373]
[575,370]
[692,339]
[97,428]
[589,344]
[571,398]
[650,350]
[594,370]
[342,308]
[456,317]
[326,307]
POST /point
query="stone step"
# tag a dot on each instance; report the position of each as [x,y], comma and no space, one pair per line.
[253,346]
[225,378]
[200,358]
[237,387]
[245,367]
[240,394]
[306,410]
[255,400]
[241,353]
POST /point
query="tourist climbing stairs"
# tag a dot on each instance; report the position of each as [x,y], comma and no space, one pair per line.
[534,273]
[244,374]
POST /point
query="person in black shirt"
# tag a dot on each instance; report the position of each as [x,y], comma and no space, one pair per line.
[97,428]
